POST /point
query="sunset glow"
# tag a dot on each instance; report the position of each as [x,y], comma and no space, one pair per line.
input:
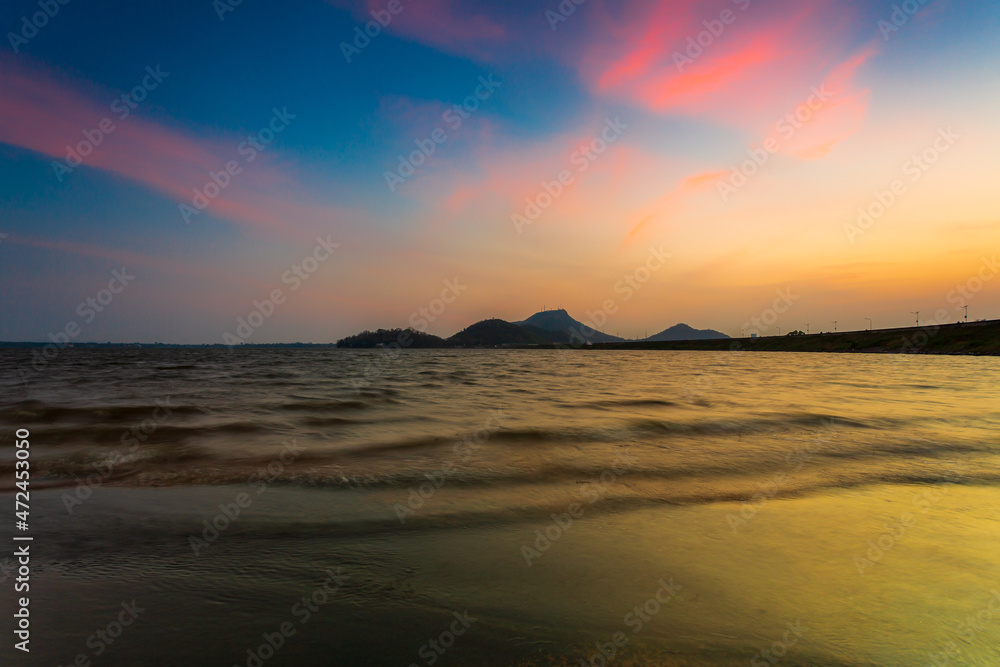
[747,138]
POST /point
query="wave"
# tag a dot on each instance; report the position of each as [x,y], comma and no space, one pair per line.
[324,405]
[438,517]
[629,403]
[629,430]
[129,434]
[38,411]
[668,474]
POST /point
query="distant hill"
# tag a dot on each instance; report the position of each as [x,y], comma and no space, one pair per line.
[489,333]
[560,323]
[684,332]
[406,338]
[973,338]
[549,327]
[561,337]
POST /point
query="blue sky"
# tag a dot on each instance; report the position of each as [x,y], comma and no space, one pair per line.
[324,174]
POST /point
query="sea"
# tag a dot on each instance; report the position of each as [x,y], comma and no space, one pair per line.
[258,507]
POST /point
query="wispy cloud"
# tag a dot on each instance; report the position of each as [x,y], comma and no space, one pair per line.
[446,25]
[41,113]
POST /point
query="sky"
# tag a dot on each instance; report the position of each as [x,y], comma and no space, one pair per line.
[279,172]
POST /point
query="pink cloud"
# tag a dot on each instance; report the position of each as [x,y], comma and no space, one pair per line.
[42,114]
[596,203]
[642,54]
[837,112]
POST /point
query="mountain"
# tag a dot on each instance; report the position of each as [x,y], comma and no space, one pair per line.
[405,338]
[490,333]
[545,328]
[560,337]
[684,332]
[560,323]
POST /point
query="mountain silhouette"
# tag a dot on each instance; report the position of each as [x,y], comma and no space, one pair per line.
[559,322]
[547,327]
[400,338]
[498,332]
[684,332]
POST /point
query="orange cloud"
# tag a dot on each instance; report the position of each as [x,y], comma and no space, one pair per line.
[831,120]
[514,177]
[668,202]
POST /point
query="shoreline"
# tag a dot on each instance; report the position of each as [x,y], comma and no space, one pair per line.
[978,339]
[963,339]
[730,602]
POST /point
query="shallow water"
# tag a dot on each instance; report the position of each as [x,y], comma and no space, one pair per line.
[549,493]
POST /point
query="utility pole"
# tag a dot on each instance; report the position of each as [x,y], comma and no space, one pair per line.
[807,327]
[917,313]
[966,314]
[835,326]
[779,331]
[869,323]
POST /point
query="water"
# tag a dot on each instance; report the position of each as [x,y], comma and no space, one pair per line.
[551,494]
